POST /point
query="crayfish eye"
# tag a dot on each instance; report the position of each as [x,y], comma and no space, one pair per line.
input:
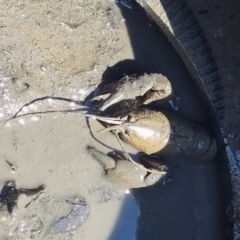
[127,131]
[131,118]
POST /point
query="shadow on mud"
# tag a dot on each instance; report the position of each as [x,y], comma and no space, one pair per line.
[191,206]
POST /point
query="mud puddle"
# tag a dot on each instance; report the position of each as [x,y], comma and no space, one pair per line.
[51,150]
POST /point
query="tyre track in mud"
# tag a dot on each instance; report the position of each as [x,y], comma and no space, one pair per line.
[177,22]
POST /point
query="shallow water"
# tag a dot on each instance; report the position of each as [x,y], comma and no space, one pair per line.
[51,149]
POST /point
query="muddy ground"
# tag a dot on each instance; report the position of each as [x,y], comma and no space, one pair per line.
[58,52]
[56,49]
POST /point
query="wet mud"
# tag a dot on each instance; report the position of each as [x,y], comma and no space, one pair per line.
[64,50]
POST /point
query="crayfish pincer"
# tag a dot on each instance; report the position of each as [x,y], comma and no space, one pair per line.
[126,175]
[166,134]
[151,87]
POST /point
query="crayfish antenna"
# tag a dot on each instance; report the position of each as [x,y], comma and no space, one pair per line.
[99,97]
[137,164]
[110,120]
[109,129]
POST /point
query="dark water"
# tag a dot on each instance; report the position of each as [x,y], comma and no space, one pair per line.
[191,206]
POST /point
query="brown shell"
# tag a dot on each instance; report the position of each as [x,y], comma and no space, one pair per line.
[168,134]
[148,131]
